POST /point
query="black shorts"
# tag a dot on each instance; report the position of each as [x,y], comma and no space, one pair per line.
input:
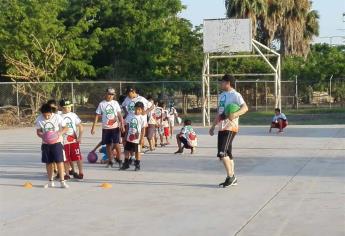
[185,142]
[131,147]
[111,136]
[224,145]
[52,153]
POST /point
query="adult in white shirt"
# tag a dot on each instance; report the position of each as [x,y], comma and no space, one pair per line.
[228,126]
[132,98]
[112,123]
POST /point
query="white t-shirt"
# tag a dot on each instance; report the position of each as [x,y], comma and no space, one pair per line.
[135,124]
[151,117]
[109,111]
[165,117]
[55,123]
[280,116]
[172,113]
[128,104]
[72,121]
[158,115]
[225,98]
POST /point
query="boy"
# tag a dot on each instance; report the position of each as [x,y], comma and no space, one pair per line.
[151,126]
[132,98]
[279,121]
[228,126]
[53,152]
[187,137]
[159,113]
[135,133]
[112,123]
[71,139]
[172,115]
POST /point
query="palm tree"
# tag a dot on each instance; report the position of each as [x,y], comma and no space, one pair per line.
[290,24]
[253,9]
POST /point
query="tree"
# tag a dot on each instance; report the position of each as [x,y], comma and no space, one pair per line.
[287,25]
[36,46]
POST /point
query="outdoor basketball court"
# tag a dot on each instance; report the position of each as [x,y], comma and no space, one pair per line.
[291,184]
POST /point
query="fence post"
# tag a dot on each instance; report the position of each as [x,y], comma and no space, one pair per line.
[256,95]
[120,88]
[17,94]
[72,94]
[330,91]
[266,94]
[296,93]
[163,88]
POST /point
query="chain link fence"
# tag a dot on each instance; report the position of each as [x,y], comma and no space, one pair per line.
[21,101]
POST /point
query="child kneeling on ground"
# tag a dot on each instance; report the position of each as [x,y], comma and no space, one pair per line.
[279,121]
[135,133]
[187,137]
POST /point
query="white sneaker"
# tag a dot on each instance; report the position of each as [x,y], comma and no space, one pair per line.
[50,184]
[63,184]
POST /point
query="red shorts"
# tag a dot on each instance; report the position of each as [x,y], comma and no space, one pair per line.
[276,125]
[72,151]
[166,131]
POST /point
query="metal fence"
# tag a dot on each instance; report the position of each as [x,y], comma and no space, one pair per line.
[23,99]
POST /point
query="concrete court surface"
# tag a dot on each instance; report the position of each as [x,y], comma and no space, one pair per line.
[290,184]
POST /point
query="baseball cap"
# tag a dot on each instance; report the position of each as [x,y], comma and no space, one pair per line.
[65,103]
[110,91]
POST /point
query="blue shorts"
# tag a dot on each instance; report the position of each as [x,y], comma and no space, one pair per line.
[52,153]
[111,136]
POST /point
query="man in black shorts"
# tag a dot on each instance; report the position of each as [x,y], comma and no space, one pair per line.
[228,126]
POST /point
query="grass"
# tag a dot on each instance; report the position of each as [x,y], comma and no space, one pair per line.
[312,116]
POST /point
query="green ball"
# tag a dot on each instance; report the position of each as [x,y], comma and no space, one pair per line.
[231,108]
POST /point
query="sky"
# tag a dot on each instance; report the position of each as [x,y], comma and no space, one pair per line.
[331,16]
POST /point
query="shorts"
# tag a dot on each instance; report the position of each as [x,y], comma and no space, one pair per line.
[185,143]
[276,124]
[111,136]
[224,144]
[166,131]
[172,122]
[159,130]
[150,131]
[131,147]
[52,153]
[72,151]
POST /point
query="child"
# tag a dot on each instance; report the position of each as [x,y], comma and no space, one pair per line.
[151,126]
[187,137]
[279,121]
[129,103]
[72,140]
[53,152]
[112,123]
[135,133]
[172,115]
[158,114]
[165,124]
